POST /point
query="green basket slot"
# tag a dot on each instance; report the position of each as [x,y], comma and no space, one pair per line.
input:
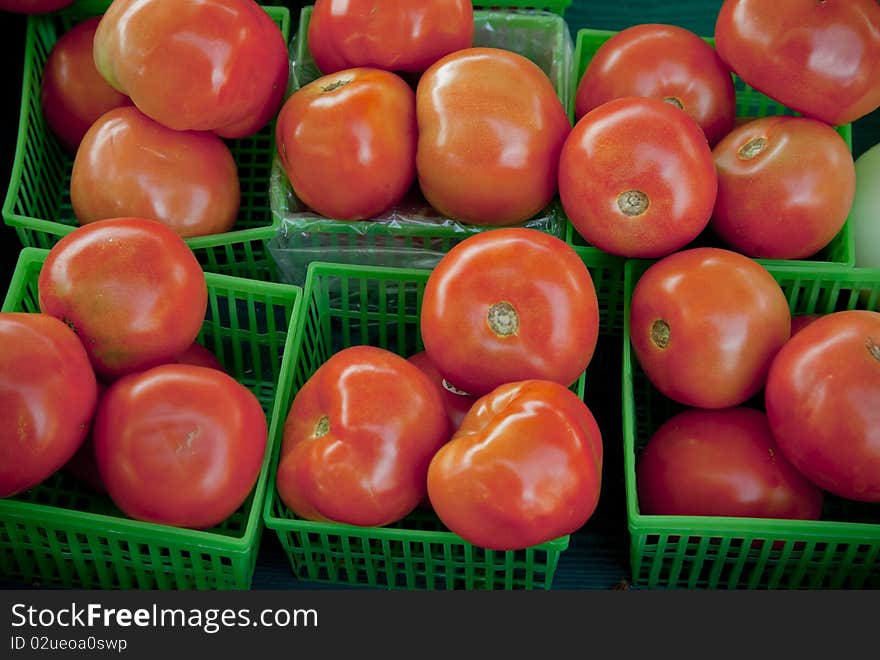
[749,103]
[841,551]
[345,306]
[556,6]
[62,534]
[37,203]
[541,36]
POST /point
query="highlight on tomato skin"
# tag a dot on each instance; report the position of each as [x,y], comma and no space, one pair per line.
[721,463]
[524,468]
[358,439]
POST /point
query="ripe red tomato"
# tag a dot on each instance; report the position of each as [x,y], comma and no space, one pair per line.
[525,467]
[48,394]
[636,178]
[490,131]
[705,324]
[179,444]
[129,165]
[456,402]
[33,6]
[73,94]
[507,305]
[785,187]
[721,463]
[205,65]
[823,403]
[821,59]
[347,142]
[200,356]
[83,465]
[358,439]
[396,35]
[666,62]
[132,290]
[801,321]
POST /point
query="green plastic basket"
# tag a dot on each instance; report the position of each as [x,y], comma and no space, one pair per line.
[405,240]
[62,534]
[38,203]
[842,550]
[344,306]
[555,6]
[749,103]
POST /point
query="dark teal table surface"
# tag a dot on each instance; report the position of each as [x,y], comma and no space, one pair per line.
[597,557]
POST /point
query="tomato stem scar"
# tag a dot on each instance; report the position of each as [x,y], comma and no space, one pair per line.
[322,428]
[336,84]
[873,348]
[674,100]
[633,202]
[752,148]
[503,319]
[660,333]
[452,388]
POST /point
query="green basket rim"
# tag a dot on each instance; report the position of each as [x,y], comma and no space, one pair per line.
[292,352]
[83,9]
[251,533]
[776,528]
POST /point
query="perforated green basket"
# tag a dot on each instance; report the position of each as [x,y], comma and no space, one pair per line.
[37,203]
[842,550]
[749,103]
[61,533]
[405,238]
[344,306]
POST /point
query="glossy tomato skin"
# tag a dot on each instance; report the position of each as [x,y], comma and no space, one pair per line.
[525,467]
[721,463]
[491,128]
[636,178]
[765,170]
[48,394]
[132,290]
[508,305]
[705,324]
[821,59]
[129,165]
[358,439]
[823,403]
[204,65]
[395,35]
[33,6]
[347,142]
[665,62]
[73,94]
[179,444]
[456,402]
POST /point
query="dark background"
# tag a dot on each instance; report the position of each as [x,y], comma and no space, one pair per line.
[597,556]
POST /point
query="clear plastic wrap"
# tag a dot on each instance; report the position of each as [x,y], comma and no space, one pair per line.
[411,235]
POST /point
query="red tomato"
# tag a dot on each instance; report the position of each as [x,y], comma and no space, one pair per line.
[205,65]
[129,165]
[73,94]
[705,324]
[819,58]
[490,131]
[785,187]
[823,403]
[180,445]
[525,467]
[83,465]
[721,463]
[132,290]
[396,35]
[456,402]
[801,321]
[48,394]
[665,62]
[33,6]
[199,356]
[636,178]
[348,142]
[508,305]
[358,439]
